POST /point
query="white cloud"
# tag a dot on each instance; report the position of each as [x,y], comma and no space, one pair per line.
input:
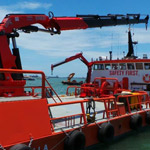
[33,5]
[20,6]
[4,11]
[91,42]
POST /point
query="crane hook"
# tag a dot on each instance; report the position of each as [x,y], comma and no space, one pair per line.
[50,14]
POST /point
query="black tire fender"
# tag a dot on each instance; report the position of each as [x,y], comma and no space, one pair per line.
[20,147]
[136,122]
[75,141]
[106,133]
[148,117]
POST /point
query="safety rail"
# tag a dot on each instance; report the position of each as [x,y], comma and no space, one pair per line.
[70,120]
[17,87]
[53,92]
[69,87]
[49,93]
[137,102]
[108,101]
[90,91]
[81,102]
[96,89]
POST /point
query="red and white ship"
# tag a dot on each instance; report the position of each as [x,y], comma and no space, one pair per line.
[132,72]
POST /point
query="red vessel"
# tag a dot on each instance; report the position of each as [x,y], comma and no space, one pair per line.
[97,112]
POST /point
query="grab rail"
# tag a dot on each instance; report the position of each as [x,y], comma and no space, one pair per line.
[53,90]
[139,101]
[26,72]
[83,113]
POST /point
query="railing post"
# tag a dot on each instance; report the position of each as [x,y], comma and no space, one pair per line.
[127,100]
[43,86]
[140,102]
[32,91]
[83,112]
[106,108]
[52,126]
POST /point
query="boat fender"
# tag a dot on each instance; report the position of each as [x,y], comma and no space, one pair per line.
[136,122]
[106,133]
[20,147]
[75,141]
[148,117]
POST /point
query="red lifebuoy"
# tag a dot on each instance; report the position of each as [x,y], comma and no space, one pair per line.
[146,78]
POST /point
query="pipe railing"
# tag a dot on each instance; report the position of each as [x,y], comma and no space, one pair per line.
[17,71]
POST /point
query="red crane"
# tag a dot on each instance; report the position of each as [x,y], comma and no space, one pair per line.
[77,56]
[12,23]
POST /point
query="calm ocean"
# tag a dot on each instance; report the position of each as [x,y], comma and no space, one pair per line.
[133,141]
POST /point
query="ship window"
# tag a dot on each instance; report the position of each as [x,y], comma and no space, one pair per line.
[101,66]
[122,66]
[114,66]
[130,66]
[96,67]
[107,66]
[139,66]
[147,66]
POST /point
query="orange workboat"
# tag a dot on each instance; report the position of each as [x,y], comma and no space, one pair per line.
[97,112]
[73,82]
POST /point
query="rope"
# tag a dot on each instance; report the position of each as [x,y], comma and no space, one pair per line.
[58,143]
[30,143]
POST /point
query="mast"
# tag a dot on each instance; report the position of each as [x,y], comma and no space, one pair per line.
[130,53]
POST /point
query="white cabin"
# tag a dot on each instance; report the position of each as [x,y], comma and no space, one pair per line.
[131,73]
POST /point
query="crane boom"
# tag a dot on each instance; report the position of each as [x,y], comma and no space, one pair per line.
[77,56]
[21,21]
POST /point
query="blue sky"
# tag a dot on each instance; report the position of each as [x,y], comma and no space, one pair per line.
[40,50]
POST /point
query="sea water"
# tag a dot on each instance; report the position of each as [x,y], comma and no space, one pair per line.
[136,140]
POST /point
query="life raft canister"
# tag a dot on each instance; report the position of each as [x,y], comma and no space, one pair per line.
[75,141]
[106,133]
[20,147]
[136,122]
[148,117]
